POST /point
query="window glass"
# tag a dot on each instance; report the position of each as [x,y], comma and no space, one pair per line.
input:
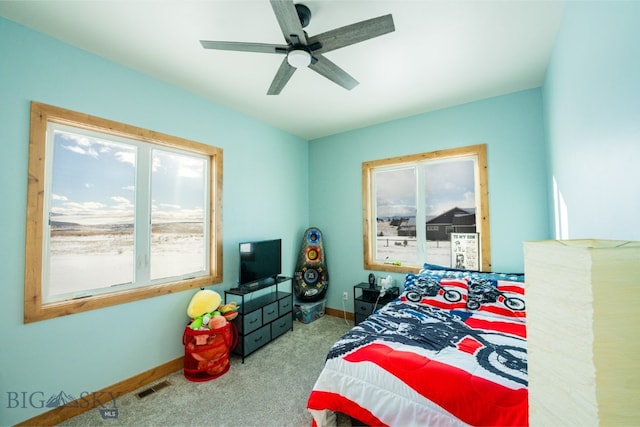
[415,205]
[178,233]
[395,207]
[449,189]
[91,214]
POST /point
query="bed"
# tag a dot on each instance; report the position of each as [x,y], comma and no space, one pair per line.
[450,350]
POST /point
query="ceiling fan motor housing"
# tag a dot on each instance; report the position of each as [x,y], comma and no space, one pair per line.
[304,14]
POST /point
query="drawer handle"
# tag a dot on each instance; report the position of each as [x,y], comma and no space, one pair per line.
[258,339]
[253,321]
[271,312]
[285,305]
[362,308]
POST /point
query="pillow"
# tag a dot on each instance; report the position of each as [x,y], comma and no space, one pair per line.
[491,294]
[445,293]
[503,298]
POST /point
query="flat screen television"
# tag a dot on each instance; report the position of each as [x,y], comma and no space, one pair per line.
[260,262]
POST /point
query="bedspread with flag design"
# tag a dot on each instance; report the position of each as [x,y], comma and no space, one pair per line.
[450,351]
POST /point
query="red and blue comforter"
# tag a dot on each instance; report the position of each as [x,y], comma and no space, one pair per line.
[448,351]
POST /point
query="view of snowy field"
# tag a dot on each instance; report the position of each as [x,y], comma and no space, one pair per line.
[85,257]
[392,247]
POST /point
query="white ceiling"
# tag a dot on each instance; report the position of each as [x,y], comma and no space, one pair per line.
[443,52]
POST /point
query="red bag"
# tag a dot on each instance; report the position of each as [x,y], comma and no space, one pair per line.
[206,352]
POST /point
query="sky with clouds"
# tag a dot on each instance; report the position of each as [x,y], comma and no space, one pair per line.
[94,182]
[447,184]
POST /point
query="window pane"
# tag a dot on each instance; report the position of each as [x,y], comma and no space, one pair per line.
[91,214]
[178,186]
[450,205]
[413,205]
[395,229]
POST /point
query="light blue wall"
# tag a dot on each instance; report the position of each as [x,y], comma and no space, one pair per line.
[510,125]
[592,115]
[88,351]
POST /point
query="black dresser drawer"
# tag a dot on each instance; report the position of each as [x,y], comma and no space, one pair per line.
[364,308]
[269,312]
[281,325]
[249,322]
[255,340]
[285,305]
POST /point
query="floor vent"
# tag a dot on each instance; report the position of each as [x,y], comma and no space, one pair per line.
[153,389]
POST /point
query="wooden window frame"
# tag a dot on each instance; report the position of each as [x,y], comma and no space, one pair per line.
[482,206]
[41,115]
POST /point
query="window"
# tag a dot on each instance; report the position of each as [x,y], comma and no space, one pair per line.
[446,189]
[116,213]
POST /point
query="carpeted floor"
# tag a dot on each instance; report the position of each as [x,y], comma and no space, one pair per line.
[270,389]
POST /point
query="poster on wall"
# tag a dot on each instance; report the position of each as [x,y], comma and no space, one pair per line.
[465,251]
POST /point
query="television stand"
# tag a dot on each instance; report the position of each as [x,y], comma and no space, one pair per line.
[263,317]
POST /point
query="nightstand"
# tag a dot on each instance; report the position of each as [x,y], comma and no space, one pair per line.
[366,300]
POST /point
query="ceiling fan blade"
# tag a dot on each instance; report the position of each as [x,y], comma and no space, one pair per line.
[281,78]
[245,47]
[288,20]
[354,33]
[334,73]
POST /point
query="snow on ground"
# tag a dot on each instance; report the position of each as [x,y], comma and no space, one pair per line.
[404,248]
[85,259]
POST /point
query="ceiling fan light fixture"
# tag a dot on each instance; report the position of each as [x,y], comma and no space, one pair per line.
[299,58]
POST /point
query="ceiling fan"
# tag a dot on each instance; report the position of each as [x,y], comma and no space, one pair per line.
[304,51]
